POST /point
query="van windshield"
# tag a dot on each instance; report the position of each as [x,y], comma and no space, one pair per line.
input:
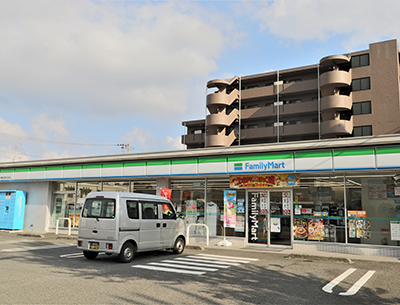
[99,208]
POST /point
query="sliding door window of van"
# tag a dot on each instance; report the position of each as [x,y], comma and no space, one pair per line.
[168,211]
[149,210]
[133,209]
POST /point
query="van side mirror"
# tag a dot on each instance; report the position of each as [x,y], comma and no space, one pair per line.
[178,215]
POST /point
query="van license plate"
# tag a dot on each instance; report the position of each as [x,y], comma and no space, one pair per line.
[94,246]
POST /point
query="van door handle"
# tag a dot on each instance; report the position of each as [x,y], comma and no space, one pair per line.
[158,225]
[94,231]
[164,225]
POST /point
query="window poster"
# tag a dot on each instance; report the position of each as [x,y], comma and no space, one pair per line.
[316,230]
[229,209]
[240,206]
[191,207]
[395,230]
[275,225]
[359,228]
[239,227]
[300,228]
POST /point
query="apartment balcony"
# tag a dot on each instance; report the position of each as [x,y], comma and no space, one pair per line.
[336,102]
[193,139]
[335,79]
[334,60]
[221,99]
[221,119]
[220,140]
[333,128]
[221,83]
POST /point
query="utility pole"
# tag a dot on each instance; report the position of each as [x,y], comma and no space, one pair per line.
[125,146]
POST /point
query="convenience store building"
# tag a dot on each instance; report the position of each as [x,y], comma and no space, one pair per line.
[338,195]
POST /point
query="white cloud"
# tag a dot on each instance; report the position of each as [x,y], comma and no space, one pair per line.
[359,21]
[108,58]
[142,140]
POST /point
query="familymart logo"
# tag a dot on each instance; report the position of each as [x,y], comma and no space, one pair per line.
[259,165]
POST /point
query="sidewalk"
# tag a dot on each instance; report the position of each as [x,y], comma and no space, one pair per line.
[287,252]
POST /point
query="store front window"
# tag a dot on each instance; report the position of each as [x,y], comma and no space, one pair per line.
[116,186]
[188,198]
[225,219]
[144,187]
[373,210]
[319,212]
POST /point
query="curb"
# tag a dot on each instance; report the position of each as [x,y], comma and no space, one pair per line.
[31,234]
[320,258]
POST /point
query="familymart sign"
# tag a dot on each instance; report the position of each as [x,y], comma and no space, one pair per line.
[261,164]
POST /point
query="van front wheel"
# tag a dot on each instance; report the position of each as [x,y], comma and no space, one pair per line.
[127,253]
[90,254]
[179,245]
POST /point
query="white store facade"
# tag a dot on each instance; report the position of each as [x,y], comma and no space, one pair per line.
[339,195]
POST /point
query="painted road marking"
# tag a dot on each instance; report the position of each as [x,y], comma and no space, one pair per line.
[333,283]
[355,288]
[23,249]
[196,264]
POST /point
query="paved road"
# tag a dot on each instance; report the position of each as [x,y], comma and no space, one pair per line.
[41,271]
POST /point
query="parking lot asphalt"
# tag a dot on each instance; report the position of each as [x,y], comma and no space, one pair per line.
[287,252]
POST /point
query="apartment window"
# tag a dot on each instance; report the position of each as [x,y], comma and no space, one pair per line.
[315,99]
[293,101]
[269,84]
[252,106]
[360,61]
[293,122]
[362,108]
[252,86]
[362,131]
[269,104]
[361,84]
[294,80]
[251,126]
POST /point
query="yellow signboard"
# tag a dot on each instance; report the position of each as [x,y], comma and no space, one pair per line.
[264,181]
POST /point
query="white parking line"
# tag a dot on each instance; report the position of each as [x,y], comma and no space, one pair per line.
[168,269]
[23,249]
[198,264]
[353,290]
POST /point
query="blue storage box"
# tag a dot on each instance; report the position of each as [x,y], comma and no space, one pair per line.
[12,210]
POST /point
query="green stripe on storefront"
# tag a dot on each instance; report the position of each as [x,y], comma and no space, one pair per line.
[91,166]
[213,160]
[71,167]
[354,152]
[388,150]
[313,154]
[160,162]
[111,165]
[139,163]
[185,161]
[54,168]
[37,169]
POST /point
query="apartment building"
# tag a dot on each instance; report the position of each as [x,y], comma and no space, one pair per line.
[347,95]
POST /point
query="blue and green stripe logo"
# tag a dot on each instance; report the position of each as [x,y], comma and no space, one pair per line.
[238,166]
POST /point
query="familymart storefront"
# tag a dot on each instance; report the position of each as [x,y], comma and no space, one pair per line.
[336,195]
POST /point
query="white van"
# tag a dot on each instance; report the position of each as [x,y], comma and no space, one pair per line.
[126,223]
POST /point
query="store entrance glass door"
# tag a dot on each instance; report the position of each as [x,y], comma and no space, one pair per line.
[269,217]
[280,217]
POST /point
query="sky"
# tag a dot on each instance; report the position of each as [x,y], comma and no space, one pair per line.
[79,77]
